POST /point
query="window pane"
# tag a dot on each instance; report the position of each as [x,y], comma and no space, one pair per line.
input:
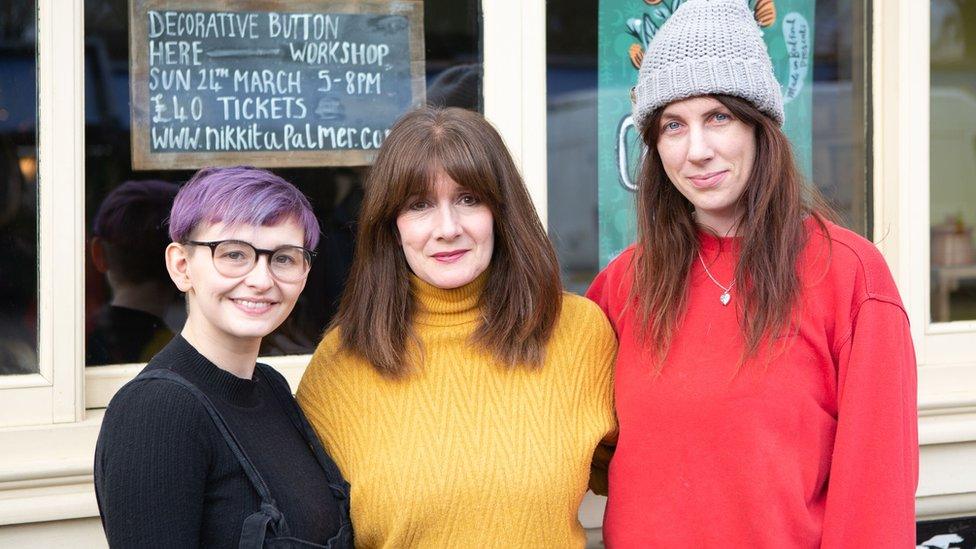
[592,148]
[952,149]
[571,85]
[839,119]
[18,189]
[132,307]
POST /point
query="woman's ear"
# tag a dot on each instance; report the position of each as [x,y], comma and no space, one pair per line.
[177,263]
[98,254]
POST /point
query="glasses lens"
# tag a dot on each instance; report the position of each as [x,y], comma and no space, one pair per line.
[290,263]
[234,258]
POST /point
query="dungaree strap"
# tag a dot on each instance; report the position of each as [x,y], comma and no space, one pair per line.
[255,526]
[338,484]
[301,423]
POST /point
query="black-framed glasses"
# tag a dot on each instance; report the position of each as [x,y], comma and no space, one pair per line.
[236,258]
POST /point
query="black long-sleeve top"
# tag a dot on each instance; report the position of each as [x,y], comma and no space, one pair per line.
[164,476]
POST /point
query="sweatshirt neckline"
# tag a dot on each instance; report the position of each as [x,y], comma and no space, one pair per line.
[447,307]
[185,360]
[709,242]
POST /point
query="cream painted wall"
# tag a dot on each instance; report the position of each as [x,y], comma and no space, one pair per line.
[53,460]
[76,534]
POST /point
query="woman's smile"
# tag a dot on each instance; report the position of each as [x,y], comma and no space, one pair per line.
[709,180]
[447,236]
[246,307]
[708,155]
[449,257]
[255,306]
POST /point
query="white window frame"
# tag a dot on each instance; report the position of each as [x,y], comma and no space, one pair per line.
[53,395]
[946,352]
[45,466]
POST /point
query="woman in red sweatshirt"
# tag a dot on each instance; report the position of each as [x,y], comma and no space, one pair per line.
[765,383]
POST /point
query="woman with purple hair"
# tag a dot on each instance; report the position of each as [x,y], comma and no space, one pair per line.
[206,447]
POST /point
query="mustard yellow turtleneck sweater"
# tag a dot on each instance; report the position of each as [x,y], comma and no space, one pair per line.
[465,452]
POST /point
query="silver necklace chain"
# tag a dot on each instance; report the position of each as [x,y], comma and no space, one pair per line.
[726,295]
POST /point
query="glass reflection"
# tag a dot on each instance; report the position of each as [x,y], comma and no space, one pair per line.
[128,238]
[839,119]
[952,188]
[571,86]
[18,188]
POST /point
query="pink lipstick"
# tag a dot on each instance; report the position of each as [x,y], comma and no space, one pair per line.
[449,257]
[708,180]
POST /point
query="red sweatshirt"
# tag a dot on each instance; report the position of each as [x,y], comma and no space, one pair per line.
[819,448]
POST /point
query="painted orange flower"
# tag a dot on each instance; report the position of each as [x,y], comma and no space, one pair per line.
[766,12]
[636,55]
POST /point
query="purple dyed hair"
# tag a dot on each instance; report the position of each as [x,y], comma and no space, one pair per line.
[240,196]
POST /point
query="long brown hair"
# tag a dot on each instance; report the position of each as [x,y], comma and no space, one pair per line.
[776,202]
[523,294]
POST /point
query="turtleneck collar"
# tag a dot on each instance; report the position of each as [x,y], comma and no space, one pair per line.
[185,360]
[440,307]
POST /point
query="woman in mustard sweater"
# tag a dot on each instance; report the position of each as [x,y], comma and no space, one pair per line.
[461,392]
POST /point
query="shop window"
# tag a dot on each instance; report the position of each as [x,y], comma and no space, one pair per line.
[18,188]
[571,90]
[952,150]
[593,50]
[132,308]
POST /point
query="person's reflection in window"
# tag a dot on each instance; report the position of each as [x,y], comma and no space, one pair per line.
[18,264]
[128,239]
[458,86]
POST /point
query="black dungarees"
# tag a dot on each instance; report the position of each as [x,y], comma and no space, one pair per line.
[267,527]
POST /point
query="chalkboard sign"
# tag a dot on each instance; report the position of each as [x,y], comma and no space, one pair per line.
[270,83]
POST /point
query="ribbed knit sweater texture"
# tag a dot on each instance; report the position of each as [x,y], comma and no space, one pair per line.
[466,452]
[164,476]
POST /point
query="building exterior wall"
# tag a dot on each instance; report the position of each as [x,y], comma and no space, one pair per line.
[49,420]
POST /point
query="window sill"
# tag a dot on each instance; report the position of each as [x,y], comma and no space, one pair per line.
[946,389]
[102,382]
[46,471]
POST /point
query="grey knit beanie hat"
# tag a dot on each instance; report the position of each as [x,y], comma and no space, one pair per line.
[707,47]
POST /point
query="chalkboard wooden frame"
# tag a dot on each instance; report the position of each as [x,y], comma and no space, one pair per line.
[145,159]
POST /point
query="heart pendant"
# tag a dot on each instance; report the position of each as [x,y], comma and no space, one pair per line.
[725,298]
